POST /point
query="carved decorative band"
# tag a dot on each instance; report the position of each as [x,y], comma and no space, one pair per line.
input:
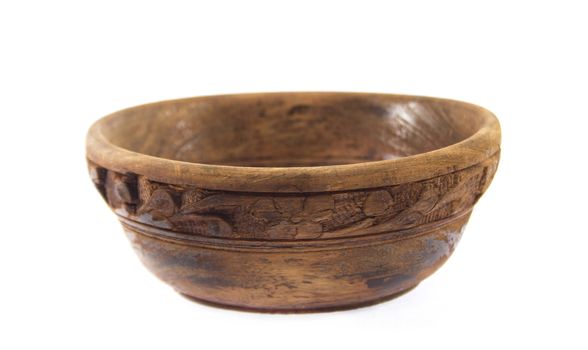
[285,216]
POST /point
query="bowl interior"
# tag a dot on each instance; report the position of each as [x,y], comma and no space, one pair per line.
[291,129]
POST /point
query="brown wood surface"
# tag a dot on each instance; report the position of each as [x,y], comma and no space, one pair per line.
[294,201]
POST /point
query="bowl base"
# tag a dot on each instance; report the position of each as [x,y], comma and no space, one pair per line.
[294,310]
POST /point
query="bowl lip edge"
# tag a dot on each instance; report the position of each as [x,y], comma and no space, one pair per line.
[478,147]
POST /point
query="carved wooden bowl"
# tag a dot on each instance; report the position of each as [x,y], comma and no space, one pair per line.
[289,202]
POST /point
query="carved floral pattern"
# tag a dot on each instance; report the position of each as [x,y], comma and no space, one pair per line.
[276,216]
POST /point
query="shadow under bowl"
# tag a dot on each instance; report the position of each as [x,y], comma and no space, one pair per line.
[293,202]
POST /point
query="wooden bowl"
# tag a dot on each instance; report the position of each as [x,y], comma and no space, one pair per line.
[290,202]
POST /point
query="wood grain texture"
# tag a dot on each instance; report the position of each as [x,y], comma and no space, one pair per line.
[294,202]
[385,137]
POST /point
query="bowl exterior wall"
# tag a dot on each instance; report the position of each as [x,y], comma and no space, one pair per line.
[294,279]
[294,251]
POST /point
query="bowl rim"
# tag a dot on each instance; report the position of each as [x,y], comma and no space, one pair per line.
[481,145]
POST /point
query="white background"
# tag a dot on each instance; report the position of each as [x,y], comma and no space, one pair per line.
[68,277]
